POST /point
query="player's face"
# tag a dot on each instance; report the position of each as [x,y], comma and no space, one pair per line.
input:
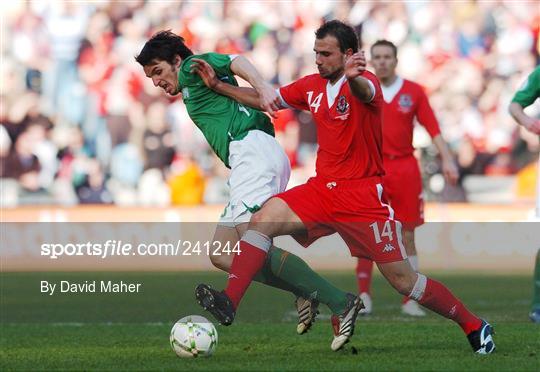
[164,75]
[384,61]
[329,58]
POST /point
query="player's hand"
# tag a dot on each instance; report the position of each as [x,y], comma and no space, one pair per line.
[532,125]
[205,71]
[269,99]
[450,171]
[355,65]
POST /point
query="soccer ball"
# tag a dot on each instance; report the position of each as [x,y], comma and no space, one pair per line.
[193,336]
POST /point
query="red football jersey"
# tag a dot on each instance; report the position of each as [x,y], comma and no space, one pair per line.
[349,132]
[409,102]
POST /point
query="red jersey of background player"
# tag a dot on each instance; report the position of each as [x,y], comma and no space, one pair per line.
[349,131]
[403,100]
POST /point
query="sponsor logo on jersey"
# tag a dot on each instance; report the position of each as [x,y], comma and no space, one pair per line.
[185,93]
[405,103]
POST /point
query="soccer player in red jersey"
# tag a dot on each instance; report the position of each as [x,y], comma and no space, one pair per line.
[404,101]
[346,195]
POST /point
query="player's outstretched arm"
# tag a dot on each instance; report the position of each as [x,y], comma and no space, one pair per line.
[449,167]
[270,101]
[243,95]
[360,87]
[531,124]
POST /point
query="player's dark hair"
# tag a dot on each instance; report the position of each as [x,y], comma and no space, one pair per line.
[344,34]
[385,43]
[164,46]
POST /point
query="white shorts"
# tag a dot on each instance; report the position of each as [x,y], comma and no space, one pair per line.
[260,169]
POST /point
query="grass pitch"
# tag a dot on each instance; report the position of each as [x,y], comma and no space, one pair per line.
[94,331]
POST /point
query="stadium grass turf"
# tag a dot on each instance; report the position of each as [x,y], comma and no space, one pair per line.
[130,331]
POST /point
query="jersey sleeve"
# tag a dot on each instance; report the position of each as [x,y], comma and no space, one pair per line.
[425,115]
[529,91]
[377,97]
[220,62]
[295,95]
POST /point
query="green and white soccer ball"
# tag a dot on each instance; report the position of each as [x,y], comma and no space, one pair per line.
[194,336]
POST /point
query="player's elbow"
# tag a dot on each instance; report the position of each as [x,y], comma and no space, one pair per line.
[514,108]
[237,63]
[366,95]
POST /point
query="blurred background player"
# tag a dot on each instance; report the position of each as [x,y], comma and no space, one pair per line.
[404,101]
[346,195]
[243,138]
[524,97]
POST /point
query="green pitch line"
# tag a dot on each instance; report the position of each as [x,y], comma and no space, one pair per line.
[130,331]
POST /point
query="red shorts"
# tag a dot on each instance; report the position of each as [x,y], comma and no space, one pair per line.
[403,187]
[356,209]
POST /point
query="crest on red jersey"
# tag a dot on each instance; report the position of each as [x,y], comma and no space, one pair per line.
[342,105]
[405,103]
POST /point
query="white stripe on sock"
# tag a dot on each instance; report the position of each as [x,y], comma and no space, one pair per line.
[419,288]
[257,239]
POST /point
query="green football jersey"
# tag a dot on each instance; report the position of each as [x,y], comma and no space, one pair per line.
[530,90]
[220,118]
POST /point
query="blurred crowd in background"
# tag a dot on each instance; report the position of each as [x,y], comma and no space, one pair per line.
[82,124]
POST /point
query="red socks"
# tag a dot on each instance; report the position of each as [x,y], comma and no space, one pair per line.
[364,269]
[439,299]
[253,248]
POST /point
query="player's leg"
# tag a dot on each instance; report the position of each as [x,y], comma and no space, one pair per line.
[225,235]
[535,311]
[277,218]
[306,306]
[222,259]
[344,306]
[381,240]
[406,198]
[436,297]
[229,236]
[287,271]
[364,271]
[410,306]
[273,219]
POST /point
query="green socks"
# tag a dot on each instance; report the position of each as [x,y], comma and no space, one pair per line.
[266,276]
[536,290]
[287,271]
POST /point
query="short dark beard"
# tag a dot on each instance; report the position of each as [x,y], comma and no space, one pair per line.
[335,75]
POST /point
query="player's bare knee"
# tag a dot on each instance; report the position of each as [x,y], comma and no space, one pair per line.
[258,218]
[264,220]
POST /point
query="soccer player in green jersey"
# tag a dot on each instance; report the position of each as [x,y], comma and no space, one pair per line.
[243,138]
[527,94]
